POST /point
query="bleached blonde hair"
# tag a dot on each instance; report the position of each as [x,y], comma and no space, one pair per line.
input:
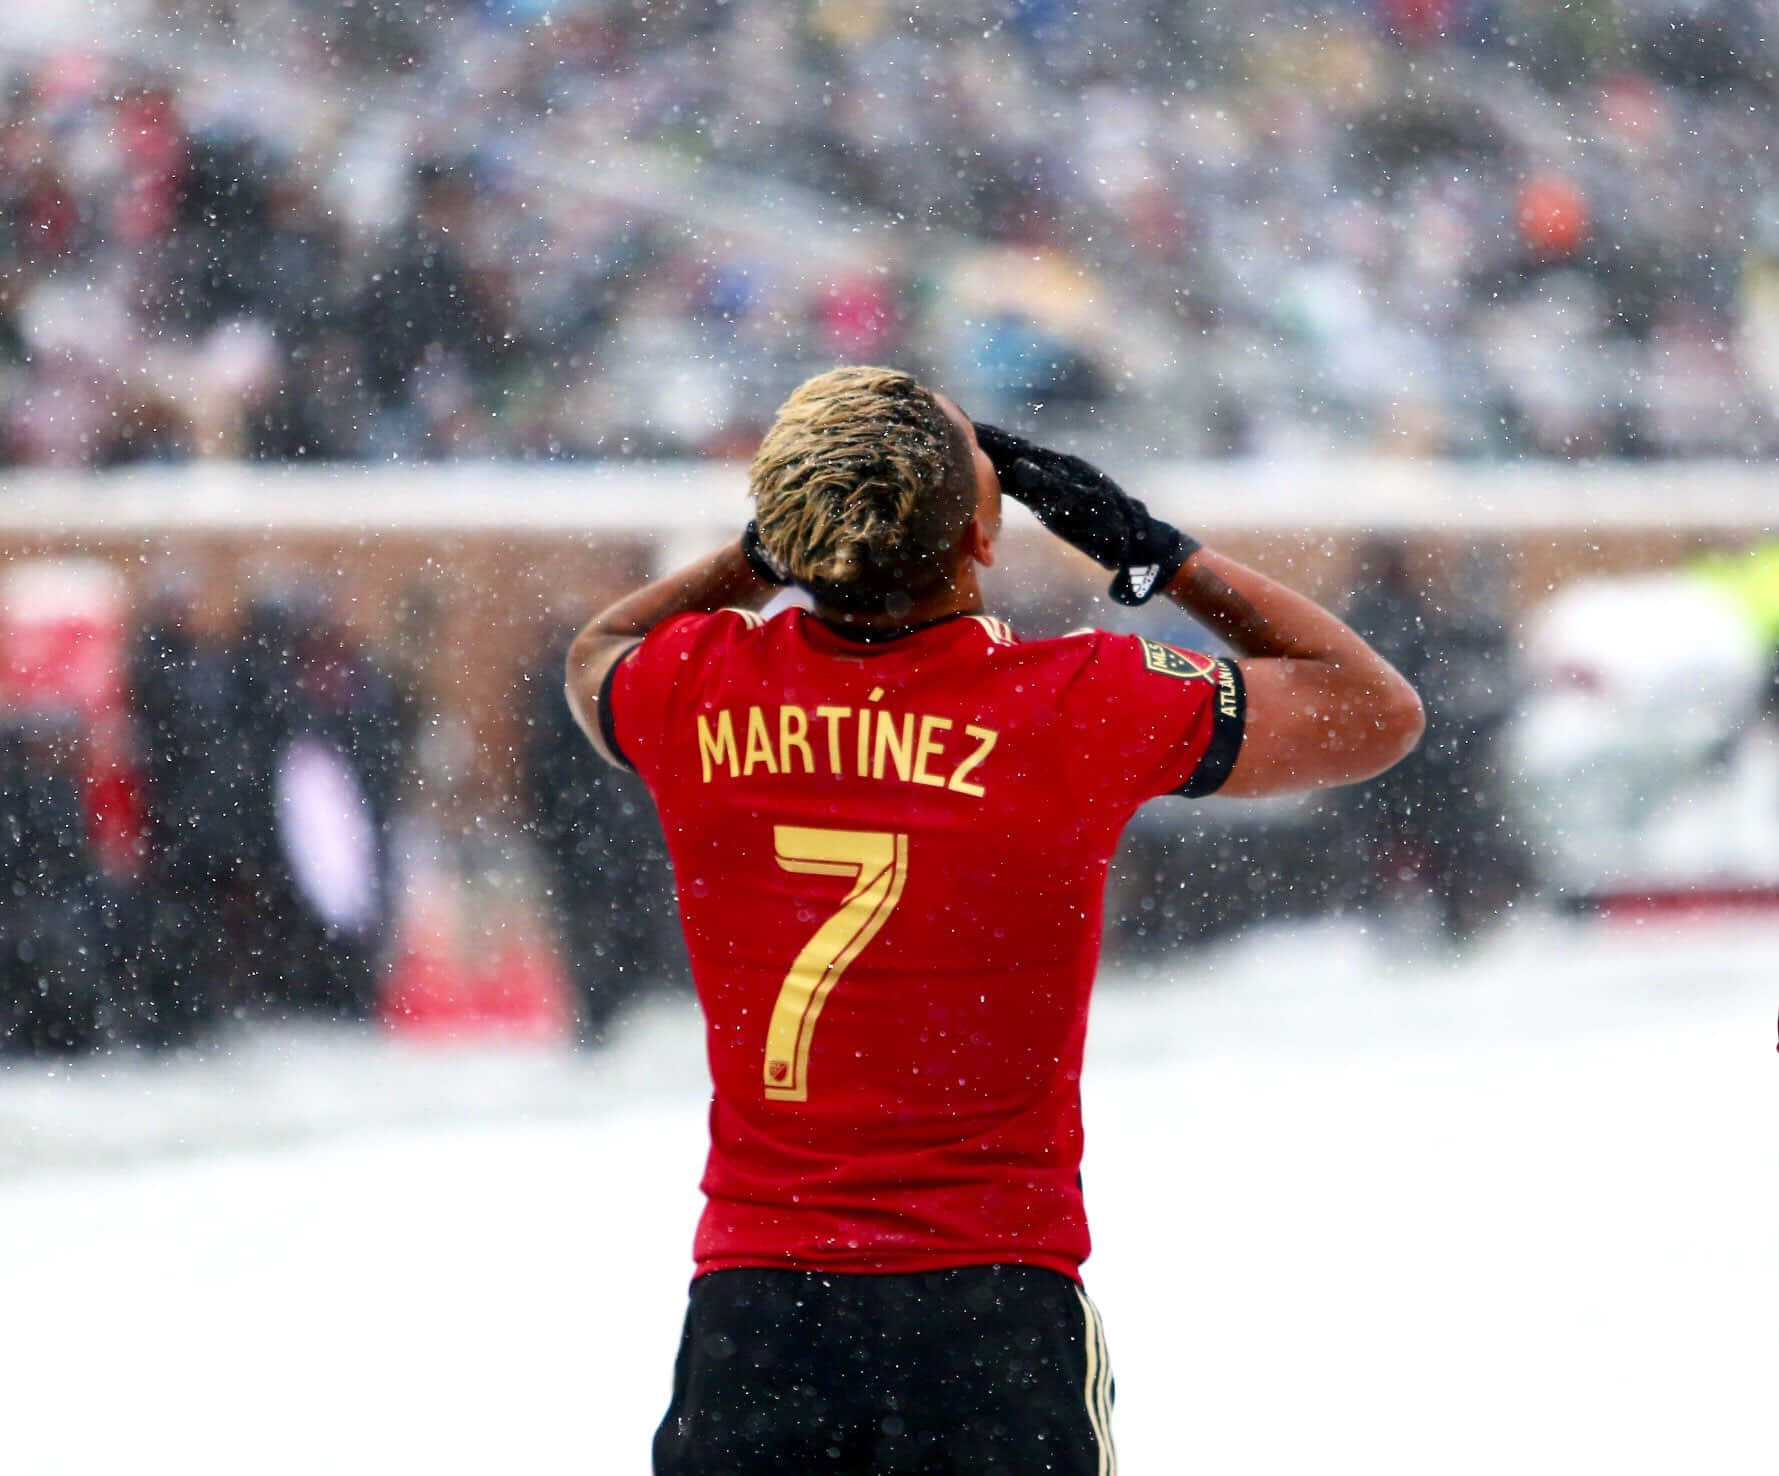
[862,487]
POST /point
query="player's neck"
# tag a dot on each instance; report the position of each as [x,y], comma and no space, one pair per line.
[961,596]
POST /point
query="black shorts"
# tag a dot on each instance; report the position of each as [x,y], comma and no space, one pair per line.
[985,1370]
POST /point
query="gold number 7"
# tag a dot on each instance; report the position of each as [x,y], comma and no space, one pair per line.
[877,862]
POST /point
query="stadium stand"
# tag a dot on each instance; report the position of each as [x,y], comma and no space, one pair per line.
[318,231]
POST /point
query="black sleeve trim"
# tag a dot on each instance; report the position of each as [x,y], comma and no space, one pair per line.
[608,730]
[1229,713]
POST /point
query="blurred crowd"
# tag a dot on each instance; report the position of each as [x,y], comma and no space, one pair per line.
[314,229]
[247,834]
[226,853]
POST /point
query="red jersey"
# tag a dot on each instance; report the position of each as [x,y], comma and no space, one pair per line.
[890,860]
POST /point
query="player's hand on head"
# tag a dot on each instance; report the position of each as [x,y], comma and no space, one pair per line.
[1085,508]
[766,568]
[1073,499]
[1003,447]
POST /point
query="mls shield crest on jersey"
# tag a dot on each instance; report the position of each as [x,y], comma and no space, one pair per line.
[1171,661]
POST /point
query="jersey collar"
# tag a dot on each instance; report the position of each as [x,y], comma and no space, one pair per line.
[944,630]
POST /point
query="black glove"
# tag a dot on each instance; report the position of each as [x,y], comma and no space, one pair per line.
[761,562]
[1085,508]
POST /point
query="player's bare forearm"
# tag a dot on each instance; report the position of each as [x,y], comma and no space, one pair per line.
[1258,616]
[715,582]
[1324,707]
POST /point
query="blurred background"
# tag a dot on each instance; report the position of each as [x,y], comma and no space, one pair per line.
[1438,307]
[353,354]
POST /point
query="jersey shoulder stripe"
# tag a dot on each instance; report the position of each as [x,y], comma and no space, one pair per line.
[999,632]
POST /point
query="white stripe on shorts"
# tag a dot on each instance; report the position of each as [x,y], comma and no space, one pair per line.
[1099,1386]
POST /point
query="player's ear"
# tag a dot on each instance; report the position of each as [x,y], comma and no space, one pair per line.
[979,541]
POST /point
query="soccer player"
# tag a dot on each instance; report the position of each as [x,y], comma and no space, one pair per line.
[890,822]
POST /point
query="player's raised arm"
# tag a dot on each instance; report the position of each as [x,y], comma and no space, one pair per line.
[1322,707]
[735,575]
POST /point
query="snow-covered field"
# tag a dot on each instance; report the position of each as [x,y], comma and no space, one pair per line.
[1354,1210]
